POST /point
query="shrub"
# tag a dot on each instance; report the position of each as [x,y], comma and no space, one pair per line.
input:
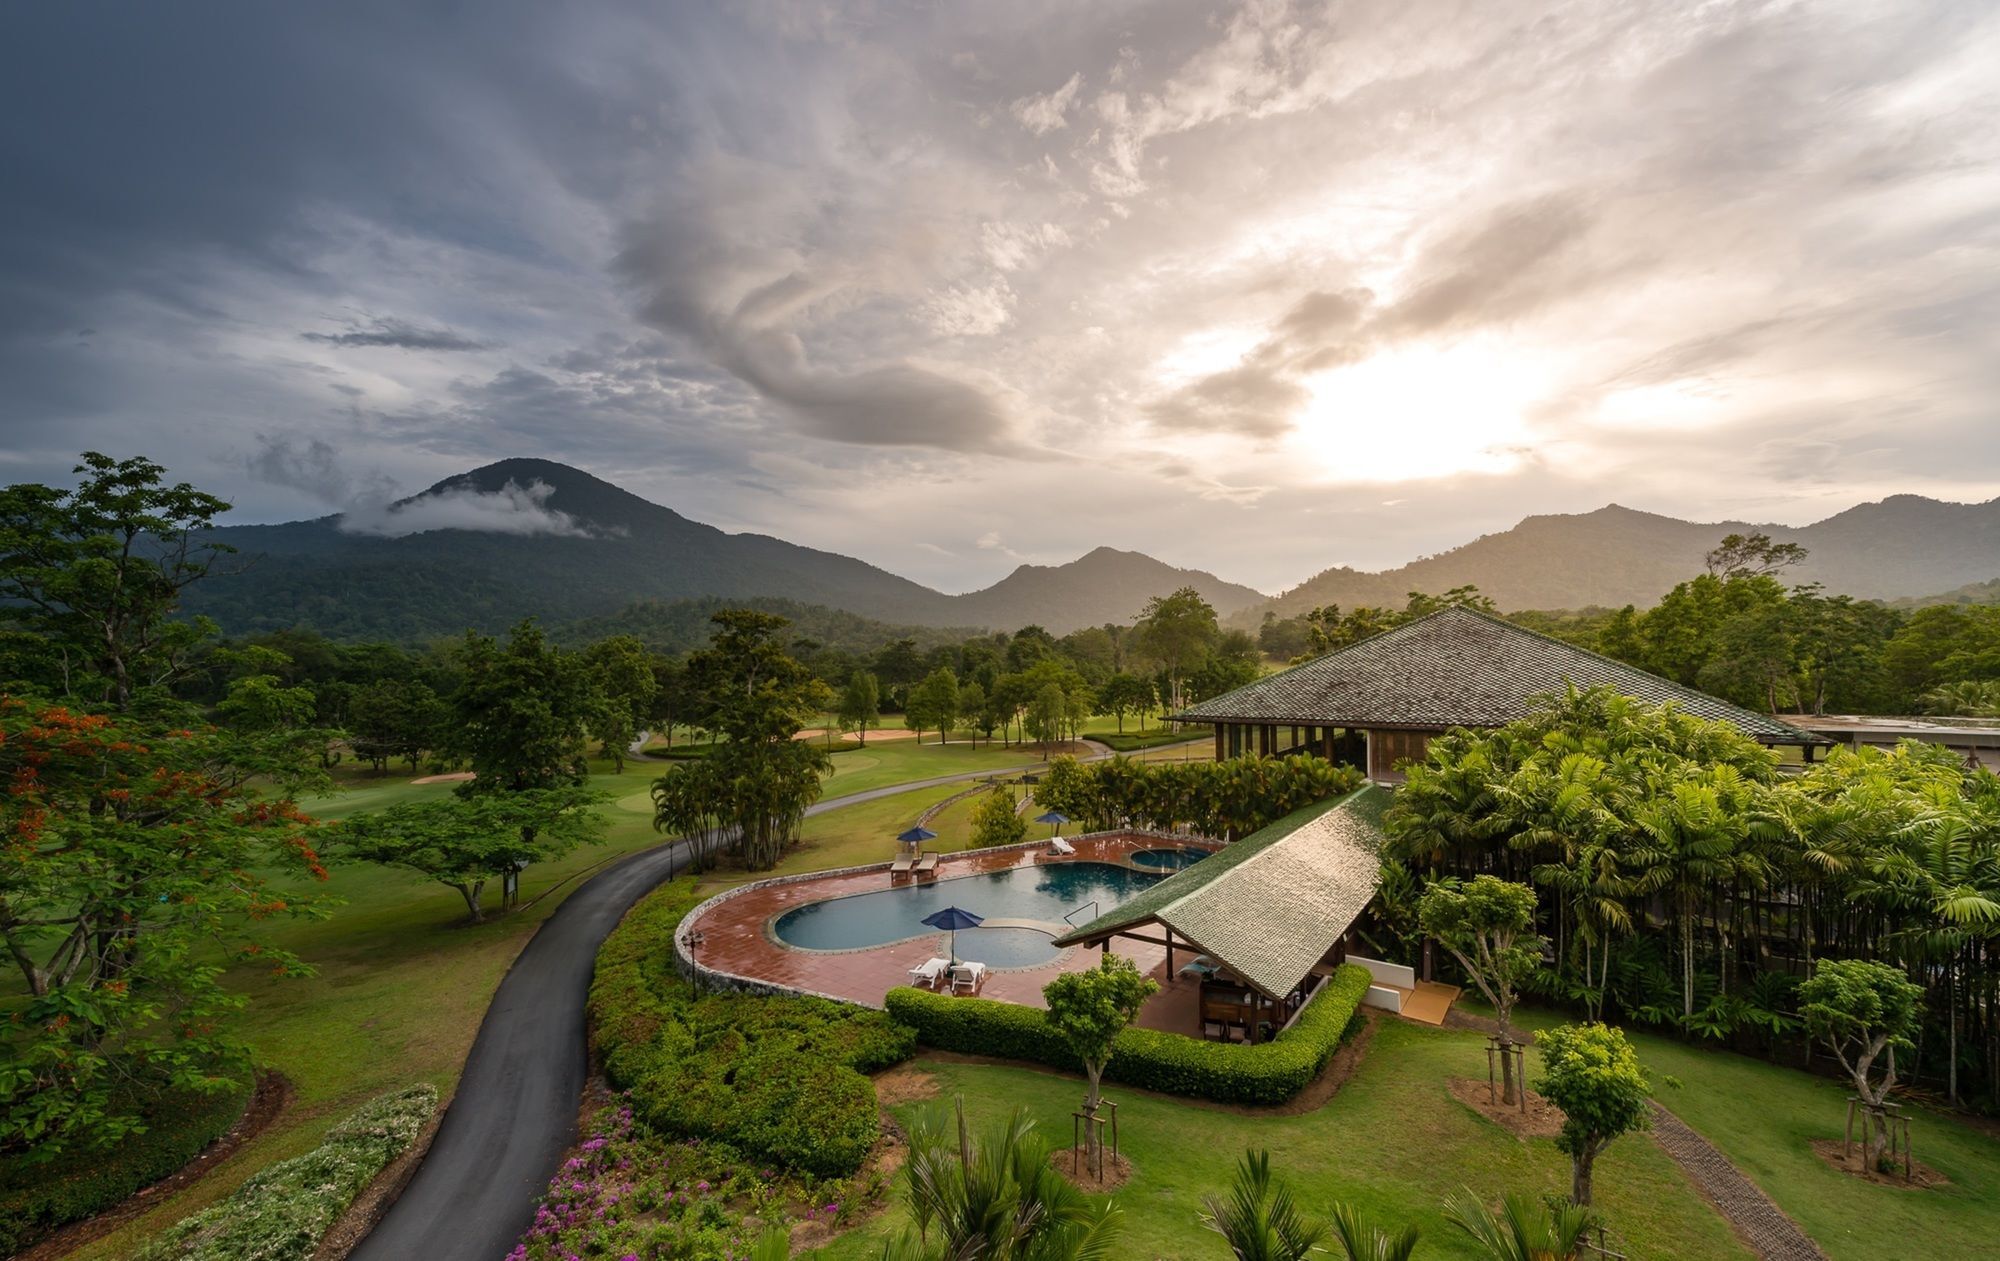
[1231,798]
[1269,1072]
[282,1213]
[777,1078]
[36,1199]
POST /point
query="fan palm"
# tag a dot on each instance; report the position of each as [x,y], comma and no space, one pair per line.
[1525,1229]
[1259,1218]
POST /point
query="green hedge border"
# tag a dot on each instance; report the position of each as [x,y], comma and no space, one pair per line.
[37,1200]
[1267,1073]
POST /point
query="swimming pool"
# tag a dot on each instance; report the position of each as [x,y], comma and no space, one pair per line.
[1165,860]
[1044,893]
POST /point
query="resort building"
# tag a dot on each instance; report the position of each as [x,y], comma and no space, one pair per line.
[1379,702]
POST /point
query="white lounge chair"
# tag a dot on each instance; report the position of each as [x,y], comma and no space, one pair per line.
[927,865]
[902,865]
[1060,847]
[965,978]
[929,972]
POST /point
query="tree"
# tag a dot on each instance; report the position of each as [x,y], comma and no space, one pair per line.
[860,704]
[1489,927]
[1260,1220]
[1124,694]
[753,789]
[393,718]
[934,703]
[96,573]
[1863,1011]
[137,863]
[1088,1010]
[463,842]
[621,671]
[1751,555]
[1048,715]
[1526,1229]
[974,710]
[997,1199]
[996,821]
[1177,631]
[1592,1073]
[521,714]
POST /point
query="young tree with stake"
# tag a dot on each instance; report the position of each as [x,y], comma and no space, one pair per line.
[1863,1011]
[1089,1010]
[1489,927]
[1592,1073]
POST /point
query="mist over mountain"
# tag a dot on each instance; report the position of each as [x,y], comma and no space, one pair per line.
[1905,546]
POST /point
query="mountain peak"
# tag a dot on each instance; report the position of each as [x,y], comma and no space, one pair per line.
[572,491]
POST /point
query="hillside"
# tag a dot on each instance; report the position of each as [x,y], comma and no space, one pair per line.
[532,537]
[1904,546]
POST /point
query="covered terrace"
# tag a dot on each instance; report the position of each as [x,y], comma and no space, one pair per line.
[1250,932]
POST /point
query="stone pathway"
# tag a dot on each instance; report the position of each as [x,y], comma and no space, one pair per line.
[1761,1224]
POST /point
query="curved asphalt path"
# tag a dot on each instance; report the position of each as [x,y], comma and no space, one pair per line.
[516,1107]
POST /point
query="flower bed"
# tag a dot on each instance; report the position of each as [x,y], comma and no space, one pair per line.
[282,1213]
[1268,1072]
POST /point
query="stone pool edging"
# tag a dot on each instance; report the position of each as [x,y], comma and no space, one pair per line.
[730,982]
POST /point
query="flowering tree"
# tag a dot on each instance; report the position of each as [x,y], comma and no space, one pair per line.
[124,851]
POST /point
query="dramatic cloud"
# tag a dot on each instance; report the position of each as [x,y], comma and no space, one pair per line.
[513,509]
[1317,283]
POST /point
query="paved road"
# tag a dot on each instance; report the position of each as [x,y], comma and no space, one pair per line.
[515,1110]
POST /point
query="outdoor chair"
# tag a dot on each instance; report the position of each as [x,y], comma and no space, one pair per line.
[927,865]
[930,972]
[1061,848]
[902,865]
[1200,965]
[966,977]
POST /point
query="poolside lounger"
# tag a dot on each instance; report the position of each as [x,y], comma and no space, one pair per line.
[902,865]
[1057,845]
[927,865]
[965,978]
[930,972]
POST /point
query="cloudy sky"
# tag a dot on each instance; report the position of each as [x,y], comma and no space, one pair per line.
[1256,287]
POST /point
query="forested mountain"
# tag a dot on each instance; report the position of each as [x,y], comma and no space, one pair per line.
[1903,546]
[679,626]
[533,537]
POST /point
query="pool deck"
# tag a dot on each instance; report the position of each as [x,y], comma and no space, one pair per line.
[735,936]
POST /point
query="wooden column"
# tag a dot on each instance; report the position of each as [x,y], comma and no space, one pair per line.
[1219,755]
[1170,954]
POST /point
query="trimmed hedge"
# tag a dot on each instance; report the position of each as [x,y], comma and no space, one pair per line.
[36,1199]
[776,1078]
[1269,1072]
[282,1213]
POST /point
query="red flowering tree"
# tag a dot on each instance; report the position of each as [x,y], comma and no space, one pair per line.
[131,861]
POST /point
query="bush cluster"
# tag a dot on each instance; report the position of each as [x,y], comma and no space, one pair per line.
[1268,1072]
[1231,798]
[36,1199]
[282,1213]
[780,1079]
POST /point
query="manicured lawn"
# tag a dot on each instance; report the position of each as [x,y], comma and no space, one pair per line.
[900,761]
[1392,1142]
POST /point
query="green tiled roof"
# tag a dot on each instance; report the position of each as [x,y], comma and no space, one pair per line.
[1270,906]
[1458,668]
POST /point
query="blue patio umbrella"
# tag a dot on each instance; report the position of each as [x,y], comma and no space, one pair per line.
[917,836]
[954,919]
[1056,817]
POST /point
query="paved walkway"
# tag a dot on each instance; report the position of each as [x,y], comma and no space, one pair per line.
[1761,1223]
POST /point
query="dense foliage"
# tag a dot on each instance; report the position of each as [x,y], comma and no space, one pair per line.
[1229,799]
[1267,1072]
[1592,1074]
[1687,883]
[777,1079]
[283,1212]
[464,841]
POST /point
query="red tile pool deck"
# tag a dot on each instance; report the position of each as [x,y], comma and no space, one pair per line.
[735,936]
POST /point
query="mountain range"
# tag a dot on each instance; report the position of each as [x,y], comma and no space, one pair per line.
[524,537]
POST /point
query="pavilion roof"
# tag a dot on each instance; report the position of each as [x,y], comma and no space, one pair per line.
[1271,905]
[1458,668]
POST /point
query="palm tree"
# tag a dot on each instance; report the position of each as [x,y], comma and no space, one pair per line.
[1360,1240]
[996,1200]
[1259,1219]
[1525,1229]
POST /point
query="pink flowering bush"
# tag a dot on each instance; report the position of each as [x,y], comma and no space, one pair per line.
[630,1195]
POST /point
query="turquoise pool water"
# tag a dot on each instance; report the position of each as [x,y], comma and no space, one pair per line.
[1045,892]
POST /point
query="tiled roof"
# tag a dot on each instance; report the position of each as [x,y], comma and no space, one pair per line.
[1270,906]
[1458,668]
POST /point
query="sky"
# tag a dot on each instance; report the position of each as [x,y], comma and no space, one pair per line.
[1257,287]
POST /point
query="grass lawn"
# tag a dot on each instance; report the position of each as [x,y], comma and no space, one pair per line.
[1392,1142]
[900,761]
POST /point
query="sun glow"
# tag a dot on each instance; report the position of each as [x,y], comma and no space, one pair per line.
[1420,411]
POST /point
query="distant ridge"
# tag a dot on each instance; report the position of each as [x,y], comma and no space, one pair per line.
[485,552]
[1903,546]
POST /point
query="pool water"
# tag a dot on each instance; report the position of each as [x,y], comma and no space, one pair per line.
[1170,859]
[1045,892]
